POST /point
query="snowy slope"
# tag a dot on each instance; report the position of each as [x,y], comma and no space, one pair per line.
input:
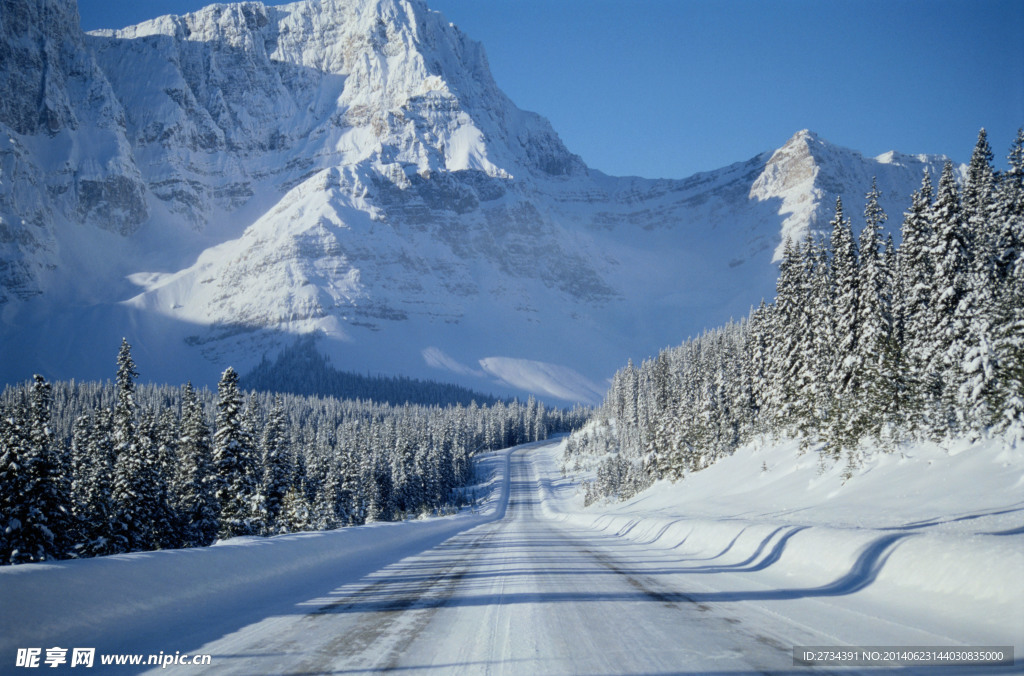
[229,179]
[930,536]
[129,602]
[726,571]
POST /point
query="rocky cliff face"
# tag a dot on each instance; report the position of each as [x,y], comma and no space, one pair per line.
[245,94]
[808,173]
[64,158]
[215,184]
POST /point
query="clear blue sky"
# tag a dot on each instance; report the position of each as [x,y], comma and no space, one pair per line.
[666,88]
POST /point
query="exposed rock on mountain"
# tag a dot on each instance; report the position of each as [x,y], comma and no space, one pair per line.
[215,184]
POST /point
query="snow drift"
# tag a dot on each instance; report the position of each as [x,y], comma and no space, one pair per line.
[933,535]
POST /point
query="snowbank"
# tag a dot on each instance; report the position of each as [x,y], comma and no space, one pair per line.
[168,600]
[932,533]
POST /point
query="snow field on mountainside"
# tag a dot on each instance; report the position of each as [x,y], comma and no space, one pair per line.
[222,183]
[930,536]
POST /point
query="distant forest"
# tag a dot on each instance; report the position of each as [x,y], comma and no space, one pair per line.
[90,469]
[301,369]
[866,345]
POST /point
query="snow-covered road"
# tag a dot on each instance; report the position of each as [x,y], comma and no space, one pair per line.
[523,594]
[529,584]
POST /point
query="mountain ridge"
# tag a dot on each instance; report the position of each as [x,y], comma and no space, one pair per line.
[348,169]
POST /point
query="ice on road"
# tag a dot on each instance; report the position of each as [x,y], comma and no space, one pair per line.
[531,583]
[522,594]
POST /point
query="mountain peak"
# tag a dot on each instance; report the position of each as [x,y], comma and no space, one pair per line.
[804,135]
[349,169]
[807,173]
[393,82]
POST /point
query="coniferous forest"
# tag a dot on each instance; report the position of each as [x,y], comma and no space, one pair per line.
[867,344]
[95,469]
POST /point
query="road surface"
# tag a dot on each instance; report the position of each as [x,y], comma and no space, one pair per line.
[521,594]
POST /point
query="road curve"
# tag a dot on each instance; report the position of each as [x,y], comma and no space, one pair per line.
[522,594]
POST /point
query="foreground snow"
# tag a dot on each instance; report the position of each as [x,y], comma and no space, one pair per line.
[175,600]
[724,572]
[929,538]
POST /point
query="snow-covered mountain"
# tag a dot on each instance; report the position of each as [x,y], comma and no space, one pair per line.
[215,184]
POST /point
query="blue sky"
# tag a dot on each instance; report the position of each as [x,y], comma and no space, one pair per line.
[667,88]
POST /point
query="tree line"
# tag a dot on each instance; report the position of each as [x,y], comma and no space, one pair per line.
[94,469]
[866,343]
[301,369]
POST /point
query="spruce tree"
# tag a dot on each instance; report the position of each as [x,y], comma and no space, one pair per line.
[979,305]
[894,379]
[875,324]
[54,487]
[950,248]
[130,525]
[252,422]
[231,460]
[276,462]
[10,479]
[978,207]
[916,278]
[1006,398]
[844,372]
[790,351]
[155,525]
[93,482]
[34,505]
[818,339]
[295,514]
[17,515]
[195,499]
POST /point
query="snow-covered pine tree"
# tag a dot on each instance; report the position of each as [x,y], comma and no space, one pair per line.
[17,539]
[788,405]
[276,461]
[157,437]
[252,422]
[80,469]
[195,483]
[950,249]
[53,494]
[93,485]
[979,305]
[426,478]
[978,207]
[1007,394]
[845,366]
[406,477]
[325,501]
[758,356]
[10,484]
[231,460]
[377,480]
[667,442]
[896,380]
[348,491]
[916,273]
[874,308]
[131,524]
[294,516]
[35,496]
[818,339]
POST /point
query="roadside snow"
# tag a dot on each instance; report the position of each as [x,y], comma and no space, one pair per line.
[148,602]
[763,550]
[931,536]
